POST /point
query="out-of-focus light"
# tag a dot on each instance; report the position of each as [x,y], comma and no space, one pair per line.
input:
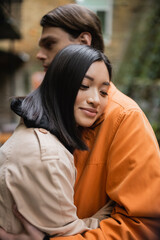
[24,56]
[80,1]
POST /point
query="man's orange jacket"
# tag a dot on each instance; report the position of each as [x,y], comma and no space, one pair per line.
[123,165]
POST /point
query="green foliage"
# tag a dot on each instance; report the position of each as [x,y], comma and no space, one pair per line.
[139,75]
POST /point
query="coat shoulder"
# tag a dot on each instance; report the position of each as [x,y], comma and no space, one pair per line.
[30,142]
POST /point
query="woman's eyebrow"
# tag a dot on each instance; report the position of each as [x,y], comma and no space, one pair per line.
[92,79]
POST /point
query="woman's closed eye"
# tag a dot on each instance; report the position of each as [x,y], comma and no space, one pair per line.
[104,93]
[84,87]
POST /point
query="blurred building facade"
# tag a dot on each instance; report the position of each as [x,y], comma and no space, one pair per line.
[10,60]
[19,34]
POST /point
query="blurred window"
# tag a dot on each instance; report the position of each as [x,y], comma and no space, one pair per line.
[104,9]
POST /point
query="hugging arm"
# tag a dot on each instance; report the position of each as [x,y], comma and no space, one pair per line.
[31,232]
[42,185]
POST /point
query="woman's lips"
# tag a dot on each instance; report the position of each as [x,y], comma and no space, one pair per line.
[91,112]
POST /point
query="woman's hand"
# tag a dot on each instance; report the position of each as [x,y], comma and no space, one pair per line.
[31,232]
[105,212]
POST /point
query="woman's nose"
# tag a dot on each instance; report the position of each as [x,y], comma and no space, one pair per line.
[95,100]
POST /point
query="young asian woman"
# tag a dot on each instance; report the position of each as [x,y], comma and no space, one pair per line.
[37,170]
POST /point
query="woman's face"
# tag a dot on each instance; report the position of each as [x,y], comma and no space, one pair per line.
[92,96]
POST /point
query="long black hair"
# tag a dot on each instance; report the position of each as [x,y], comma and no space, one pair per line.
[54,100]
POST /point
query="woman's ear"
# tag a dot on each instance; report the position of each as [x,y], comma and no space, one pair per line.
[85,38]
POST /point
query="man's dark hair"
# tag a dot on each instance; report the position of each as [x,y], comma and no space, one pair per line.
[56,96]
[75,19]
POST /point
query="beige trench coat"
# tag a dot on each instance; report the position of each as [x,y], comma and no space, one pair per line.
[37,173]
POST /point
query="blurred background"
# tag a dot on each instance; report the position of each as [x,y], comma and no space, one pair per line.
[131,31]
